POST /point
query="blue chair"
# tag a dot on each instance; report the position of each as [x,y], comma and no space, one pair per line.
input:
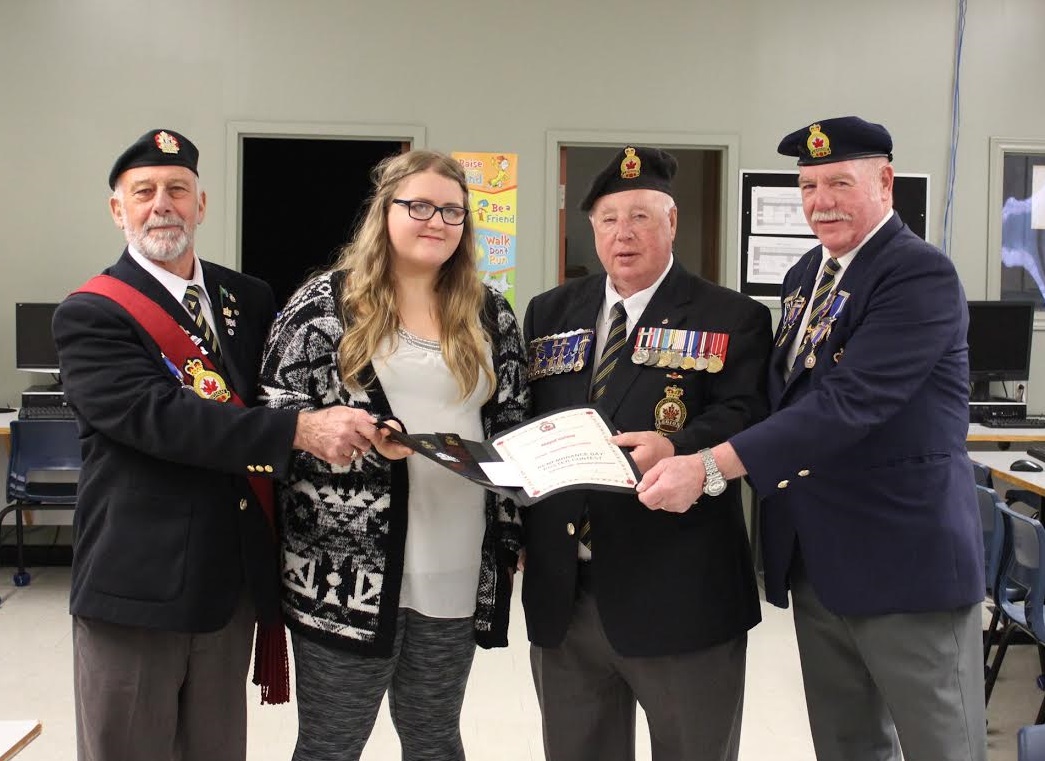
[982,474]
[993,546]
[1030,743]
[1021,591]
[41,474]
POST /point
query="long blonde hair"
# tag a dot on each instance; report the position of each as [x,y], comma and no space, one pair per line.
[368,300]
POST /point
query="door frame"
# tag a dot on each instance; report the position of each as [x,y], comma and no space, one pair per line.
[555,195]
[236,131]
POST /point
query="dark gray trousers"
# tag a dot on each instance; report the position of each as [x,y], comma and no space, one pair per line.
[587,693]
[152,695]
[875,684]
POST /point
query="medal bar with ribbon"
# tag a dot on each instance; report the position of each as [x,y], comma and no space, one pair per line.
[641,353]
[794,305]
[559,353]
[665,348]
[700,362]
[717,353]
[688,360]
[654,352]
[818,333]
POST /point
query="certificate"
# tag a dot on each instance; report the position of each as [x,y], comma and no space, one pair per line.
[566,449]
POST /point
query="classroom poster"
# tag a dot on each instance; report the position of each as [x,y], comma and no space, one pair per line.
[492,185]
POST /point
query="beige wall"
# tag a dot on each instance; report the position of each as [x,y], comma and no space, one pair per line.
[80,79]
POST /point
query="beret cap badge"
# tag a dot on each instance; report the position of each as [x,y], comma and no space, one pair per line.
[818,144]
[631,166]
[167,142]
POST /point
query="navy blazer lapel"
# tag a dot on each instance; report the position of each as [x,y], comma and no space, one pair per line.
[778,362]
[132,273]
[583,315]
[667,309]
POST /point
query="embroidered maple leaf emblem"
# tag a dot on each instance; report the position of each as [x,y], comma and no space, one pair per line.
[630,164]
[818,143]
[209,386]
[671,414]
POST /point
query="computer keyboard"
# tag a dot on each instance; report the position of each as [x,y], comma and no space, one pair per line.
[1015,422]
[46,412]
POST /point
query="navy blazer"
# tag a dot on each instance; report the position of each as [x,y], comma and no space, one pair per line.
[862,463]
[665,583]
[168,534]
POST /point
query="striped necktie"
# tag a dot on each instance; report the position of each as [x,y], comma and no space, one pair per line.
[824,288]
[191,300]
[615,340]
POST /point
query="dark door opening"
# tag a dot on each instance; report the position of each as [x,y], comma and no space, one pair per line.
[300,201]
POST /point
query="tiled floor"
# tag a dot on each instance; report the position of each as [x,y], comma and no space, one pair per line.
[500,720]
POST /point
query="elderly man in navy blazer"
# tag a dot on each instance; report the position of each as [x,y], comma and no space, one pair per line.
[869,505]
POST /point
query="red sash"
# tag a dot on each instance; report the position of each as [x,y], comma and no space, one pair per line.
[271,670]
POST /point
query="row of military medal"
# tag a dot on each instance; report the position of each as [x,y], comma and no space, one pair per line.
[654,347]
[681,349]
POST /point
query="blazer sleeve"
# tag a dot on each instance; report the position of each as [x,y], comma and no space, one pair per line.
[912,320]
[120,385]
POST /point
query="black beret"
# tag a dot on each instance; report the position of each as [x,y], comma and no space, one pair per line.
[158,147]
[633,169]
[841,139]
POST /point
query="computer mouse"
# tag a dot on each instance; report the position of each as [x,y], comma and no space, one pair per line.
[1028,466]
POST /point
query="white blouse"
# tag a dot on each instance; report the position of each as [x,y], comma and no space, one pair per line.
[446,520]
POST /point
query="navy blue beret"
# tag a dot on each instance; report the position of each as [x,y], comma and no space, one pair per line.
[841,139]
[633,169]
[158,147]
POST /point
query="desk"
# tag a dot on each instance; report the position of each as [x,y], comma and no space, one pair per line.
[5,428]
[15,735]
[999,463]
[979,432]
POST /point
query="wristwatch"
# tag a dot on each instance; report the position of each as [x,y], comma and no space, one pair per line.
[714,483]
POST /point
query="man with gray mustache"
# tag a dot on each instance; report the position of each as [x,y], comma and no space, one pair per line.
[869,510]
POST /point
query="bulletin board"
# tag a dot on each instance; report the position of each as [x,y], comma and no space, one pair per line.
[774,234]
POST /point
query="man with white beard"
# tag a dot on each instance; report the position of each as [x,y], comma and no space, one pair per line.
[175,557]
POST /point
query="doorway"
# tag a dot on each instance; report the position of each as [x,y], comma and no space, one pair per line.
[705,190]
[298,194]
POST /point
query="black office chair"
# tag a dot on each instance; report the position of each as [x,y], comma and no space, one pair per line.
[41,474]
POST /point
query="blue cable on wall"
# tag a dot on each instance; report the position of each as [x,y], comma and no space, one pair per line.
[952,167]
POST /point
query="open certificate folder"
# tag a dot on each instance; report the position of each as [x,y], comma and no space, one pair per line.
[567,449]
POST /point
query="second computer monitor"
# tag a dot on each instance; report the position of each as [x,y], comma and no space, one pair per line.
[34,342]
[1000,334]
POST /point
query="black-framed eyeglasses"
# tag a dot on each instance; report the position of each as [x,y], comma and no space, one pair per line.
[424,211]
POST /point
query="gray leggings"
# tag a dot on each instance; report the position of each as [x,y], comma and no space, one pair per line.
[339,693]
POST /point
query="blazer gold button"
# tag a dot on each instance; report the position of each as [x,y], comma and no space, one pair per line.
[571,529]
[269,468]
[803,473]
[243,504]
[250,468]
[782,484]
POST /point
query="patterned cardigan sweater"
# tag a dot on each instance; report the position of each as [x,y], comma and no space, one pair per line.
[344,528]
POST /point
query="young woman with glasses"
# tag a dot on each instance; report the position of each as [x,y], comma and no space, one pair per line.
[394,568]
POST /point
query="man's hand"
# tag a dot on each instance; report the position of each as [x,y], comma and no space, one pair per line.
[390,450]
[673,484]
[648,447]
[337,434]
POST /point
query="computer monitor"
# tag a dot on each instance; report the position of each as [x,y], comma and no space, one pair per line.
[1000,334]
[34,343]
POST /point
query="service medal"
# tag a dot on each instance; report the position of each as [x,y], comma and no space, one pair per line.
[715,363]
[810,362]
[640,355]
